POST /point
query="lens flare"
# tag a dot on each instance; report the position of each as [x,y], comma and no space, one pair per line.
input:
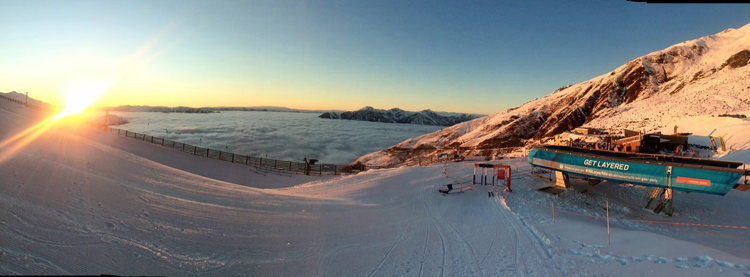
[83,97]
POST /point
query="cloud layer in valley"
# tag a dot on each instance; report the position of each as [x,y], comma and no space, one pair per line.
[283,136]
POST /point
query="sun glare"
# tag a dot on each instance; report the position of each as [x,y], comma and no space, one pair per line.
[82,97]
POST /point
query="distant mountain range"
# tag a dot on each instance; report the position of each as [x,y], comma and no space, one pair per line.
[163,109]
[396,115]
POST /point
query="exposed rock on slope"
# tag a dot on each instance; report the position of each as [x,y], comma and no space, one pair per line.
[699,77]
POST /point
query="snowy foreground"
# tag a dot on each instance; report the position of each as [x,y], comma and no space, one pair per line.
[81,201]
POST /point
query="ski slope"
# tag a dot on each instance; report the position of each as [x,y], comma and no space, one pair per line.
[82,201]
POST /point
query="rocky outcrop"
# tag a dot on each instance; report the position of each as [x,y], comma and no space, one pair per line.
[396,115]
[738,60]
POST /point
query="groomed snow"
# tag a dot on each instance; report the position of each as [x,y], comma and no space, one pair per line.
[81,201]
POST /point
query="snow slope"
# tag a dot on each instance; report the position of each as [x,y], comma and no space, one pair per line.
[76,201]
[702,77]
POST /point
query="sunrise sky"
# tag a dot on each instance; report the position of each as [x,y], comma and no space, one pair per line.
[482,57]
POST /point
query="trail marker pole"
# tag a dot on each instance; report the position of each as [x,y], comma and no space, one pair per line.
[553,212]
[474,180]
[609,239]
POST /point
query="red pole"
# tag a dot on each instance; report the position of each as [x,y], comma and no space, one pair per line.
[553,212]
[609,239]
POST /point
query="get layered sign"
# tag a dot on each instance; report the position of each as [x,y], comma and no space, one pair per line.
[610,165]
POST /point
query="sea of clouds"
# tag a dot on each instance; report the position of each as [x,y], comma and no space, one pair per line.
[275,135]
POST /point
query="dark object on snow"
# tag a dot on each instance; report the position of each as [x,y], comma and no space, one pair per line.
[450,187]
[552,190]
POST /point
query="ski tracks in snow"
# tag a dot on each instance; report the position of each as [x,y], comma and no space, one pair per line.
[423,200]
[535,262]
[513,249]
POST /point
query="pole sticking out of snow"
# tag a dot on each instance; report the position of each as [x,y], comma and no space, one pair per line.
[609,239]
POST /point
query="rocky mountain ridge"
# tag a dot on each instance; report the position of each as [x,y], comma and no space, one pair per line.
[396,115]
[698,77]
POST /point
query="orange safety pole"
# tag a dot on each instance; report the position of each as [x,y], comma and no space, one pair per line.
[609,239]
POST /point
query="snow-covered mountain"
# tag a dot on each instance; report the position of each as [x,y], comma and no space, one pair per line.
[705,76]
[396,115]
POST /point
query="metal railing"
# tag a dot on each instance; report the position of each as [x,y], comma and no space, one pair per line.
[30,106]
[263,165]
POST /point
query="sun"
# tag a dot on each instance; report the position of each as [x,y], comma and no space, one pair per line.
[82,97]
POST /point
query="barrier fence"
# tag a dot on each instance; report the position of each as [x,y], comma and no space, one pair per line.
[263,165]
[19,102]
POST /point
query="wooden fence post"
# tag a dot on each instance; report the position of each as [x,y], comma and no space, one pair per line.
[207,152]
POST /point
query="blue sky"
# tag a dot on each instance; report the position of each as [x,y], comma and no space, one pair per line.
[477,57]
